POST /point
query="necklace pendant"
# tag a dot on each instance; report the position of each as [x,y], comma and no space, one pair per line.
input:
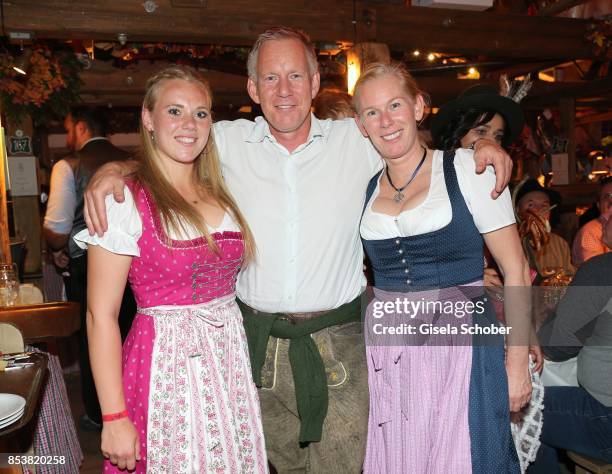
[398,196]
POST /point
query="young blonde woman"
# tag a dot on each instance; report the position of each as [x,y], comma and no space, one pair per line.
[442,403]
[179,396]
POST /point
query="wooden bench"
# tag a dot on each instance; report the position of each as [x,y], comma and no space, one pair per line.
[585,465]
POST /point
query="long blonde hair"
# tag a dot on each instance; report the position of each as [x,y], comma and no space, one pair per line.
[174,211]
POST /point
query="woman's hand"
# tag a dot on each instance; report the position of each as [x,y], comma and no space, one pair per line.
[491,278]
[519,386]
[120,443]
[487,152]
[535,351]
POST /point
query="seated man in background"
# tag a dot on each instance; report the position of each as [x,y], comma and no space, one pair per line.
[85,137]
[580,418]
[546,252]
[589,239]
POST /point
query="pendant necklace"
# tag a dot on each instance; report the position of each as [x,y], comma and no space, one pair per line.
[399,196]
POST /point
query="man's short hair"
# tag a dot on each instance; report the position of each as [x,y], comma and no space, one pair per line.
[93,118]
[280,33]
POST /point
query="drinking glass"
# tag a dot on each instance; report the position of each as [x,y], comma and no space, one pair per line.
[9,284]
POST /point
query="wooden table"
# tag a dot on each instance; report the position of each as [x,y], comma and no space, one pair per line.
[28,383]
[43,322]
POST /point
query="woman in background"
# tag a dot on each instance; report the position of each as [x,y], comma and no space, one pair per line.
[481,112]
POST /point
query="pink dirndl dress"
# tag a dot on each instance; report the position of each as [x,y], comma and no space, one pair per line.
[186,370]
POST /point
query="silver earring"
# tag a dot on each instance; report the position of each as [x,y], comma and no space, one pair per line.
[152,132]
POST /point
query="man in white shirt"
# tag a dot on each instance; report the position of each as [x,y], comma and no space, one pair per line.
[300,183]
[85,137]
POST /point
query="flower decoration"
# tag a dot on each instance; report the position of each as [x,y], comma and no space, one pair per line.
[181,53]
[600,35]
[47,91]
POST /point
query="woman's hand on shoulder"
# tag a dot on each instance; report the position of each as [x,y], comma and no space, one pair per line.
[120,443]
[487,152]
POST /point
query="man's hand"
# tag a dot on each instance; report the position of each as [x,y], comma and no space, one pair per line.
[487,152]
[109,179]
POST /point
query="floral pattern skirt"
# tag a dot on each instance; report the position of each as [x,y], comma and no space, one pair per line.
[189,391]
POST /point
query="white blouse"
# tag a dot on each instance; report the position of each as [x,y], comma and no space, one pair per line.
[125,228]
[435,212]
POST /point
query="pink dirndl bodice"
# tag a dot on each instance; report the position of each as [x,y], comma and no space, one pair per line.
[186,372]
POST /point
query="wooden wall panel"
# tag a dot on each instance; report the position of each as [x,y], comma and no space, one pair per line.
[240,21]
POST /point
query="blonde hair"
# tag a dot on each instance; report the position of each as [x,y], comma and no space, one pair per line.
[282,33]
[174,211]
[333,103]
[395,69]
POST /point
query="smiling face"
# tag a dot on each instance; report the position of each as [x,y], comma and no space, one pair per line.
[284,88]
[180,121]
[388,116]
[492,130]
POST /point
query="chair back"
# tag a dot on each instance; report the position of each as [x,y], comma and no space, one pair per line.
[11,339]
[30,294]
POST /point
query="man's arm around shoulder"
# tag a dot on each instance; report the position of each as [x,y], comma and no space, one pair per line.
[109,179]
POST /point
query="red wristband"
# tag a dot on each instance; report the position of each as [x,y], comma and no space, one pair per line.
[115,416]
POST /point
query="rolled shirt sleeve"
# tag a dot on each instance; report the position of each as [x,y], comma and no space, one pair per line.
[62,199]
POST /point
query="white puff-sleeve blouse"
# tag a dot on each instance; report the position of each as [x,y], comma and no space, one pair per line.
[125,228]
[435,211]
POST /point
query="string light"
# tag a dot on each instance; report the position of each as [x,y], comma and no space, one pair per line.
[416,52]
[431,56]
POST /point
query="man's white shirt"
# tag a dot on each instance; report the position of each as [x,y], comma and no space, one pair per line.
[62,196]
[304,210]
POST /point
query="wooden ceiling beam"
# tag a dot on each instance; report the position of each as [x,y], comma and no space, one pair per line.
[105,84]
[484,33]
[552,92]
[559,6]
[542,94]
[239,22]
[591,118]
